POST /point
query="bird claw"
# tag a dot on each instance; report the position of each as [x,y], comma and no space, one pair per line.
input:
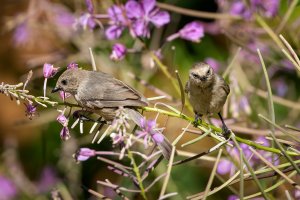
[81,115]
[197,121]
[226,132]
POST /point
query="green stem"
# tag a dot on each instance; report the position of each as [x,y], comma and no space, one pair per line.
[217,129]
[270,32]
[251,170]
[137,173]
[164,69]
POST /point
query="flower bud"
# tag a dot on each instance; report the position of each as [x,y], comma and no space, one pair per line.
[118,52]
[72,65]
[65,133]
[62,120]
[84,153]
[192,31]
[49,71]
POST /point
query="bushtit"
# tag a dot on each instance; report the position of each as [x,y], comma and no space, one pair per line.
[103,94]
[207,92]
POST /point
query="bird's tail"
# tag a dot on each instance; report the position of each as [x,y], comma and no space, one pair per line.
[165,146]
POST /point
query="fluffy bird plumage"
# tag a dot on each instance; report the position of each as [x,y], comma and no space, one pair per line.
[103,94]
[207,91]
[98,91]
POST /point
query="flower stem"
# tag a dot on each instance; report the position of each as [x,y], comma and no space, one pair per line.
[45,85]
[137,173]
[217,129]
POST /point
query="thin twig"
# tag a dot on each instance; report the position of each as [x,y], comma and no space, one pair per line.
[194,13]
[287,15]
[164,187]
[293,183]
[212,175]
[272,114]
[93,59]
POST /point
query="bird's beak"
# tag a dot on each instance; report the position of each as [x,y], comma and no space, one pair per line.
[56,89]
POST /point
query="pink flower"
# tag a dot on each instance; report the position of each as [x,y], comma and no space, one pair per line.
[213,63]
[62,120]
[84,153]
[118,52]
[147,131]
[65,133]
[142,13]
[72,65]
[63,95]
[8,189]
[30,111]
[49,71]
[192,31]
[117,22]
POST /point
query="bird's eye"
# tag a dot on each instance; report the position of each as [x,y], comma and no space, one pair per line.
[208,72]
[195,75]
[64,82]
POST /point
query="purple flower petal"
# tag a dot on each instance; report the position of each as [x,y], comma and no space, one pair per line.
[141,29]
[87,152]
[49,71]
[63,95]
[118,52]
[146,142]
[148,5]
[72,65]
[65,133]
[160,18]
[143,122]
[30,111]
[8,189]
[62,120]
[86,20]
[47,180]
[91,23]
[237,8]
[158,138]
[116,15]
[21,34]
[213,63]
[89,5]
[134,10]
[192,31]
[113,32]
[64,18]
[224,166]
[151,124]
[268,7]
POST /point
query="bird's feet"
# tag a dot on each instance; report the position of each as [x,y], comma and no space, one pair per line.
[84,116]
[226,132]
[198,120]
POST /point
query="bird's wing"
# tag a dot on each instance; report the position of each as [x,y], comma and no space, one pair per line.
[224,85]
[105,91]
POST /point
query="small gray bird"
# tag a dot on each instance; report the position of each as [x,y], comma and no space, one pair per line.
[103,94]
[207,92]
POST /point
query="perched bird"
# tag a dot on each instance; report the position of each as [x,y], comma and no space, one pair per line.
[103,94]
[207,92]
